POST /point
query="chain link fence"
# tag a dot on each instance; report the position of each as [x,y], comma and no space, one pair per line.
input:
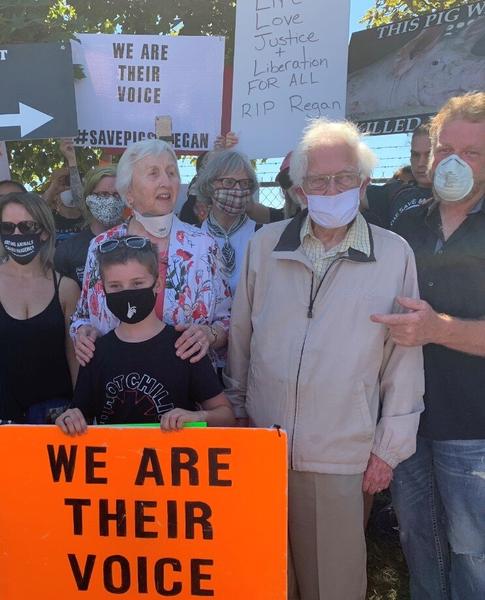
[270,195]
[269,191]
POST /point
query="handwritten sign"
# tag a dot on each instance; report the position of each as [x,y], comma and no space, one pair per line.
[132,79]
[141,514]
[416,65]
[290,65]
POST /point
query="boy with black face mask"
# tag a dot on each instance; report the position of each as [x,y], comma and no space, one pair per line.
[135,375]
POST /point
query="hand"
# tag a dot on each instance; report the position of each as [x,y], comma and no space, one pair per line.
[224,142]
[66,146]
[194,342]
[174,419]
[84,343]
[377,476]
[220,142]
[231,139]
[58,182]
[417,328]
[72,422]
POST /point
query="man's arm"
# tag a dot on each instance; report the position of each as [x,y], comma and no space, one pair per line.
[423,325]
[402,389]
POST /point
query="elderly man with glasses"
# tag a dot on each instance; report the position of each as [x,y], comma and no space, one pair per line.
[304,354]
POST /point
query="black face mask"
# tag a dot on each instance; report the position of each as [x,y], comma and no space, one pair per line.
[22,248]
[132,306]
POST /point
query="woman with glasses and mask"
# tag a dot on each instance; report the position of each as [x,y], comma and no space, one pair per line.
[103,209]
[37,363]
[226,184]
[193,295]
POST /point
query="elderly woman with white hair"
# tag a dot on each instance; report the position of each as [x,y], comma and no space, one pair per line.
[226,185]
[194,297]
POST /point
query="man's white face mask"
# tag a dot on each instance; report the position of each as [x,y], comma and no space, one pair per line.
[453,179]
[334,211]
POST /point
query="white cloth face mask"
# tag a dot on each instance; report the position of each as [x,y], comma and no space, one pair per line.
[453,179]
[67,199]
[334,211]
[159,225]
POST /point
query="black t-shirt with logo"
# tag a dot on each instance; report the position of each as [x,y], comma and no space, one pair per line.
[387,203]
[451,276]
[138,382]
[65,228]
[70,256]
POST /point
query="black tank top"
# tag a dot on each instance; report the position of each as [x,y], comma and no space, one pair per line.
[33,364]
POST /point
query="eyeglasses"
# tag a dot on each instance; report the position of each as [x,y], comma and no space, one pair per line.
[135,242]
[343,181]
[228,183]
[24,227]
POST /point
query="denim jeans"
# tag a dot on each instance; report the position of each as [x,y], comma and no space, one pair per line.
[439,498]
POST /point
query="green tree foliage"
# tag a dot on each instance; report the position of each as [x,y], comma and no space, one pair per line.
[387,11]
[30,21]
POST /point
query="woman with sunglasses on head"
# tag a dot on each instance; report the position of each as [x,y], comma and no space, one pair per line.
[193,295]
[37,363]
[226,185]
[103,208]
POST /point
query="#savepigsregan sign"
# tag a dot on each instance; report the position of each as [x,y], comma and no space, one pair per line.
[130,80]
[139,513]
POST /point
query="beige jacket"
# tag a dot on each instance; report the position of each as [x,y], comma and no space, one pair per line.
[334,381]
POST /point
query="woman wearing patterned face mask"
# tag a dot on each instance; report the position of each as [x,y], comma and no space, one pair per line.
[103,209]
[37,363]
[226,184]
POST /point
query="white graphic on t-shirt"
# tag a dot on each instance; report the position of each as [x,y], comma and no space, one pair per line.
[131,311]
[135,388]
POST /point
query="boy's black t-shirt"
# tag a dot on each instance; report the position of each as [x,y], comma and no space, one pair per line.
[137,382]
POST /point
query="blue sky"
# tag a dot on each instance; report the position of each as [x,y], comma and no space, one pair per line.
[357,9]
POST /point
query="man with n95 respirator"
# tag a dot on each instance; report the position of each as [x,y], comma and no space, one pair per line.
[439,493]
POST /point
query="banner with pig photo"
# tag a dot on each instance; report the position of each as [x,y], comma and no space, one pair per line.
[401,72]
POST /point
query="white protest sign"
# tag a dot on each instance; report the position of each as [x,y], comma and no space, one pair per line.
[290,65]
[4,168]
[132,79]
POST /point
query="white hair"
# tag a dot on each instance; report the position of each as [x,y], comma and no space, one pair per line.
[322,132]
[134,153]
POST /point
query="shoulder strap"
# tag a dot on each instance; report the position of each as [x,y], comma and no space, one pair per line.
[57,282]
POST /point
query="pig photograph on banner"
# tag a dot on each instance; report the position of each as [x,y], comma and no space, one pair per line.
[416,64]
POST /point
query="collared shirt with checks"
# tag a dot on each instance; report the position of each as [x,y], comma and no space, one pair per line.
[357,237]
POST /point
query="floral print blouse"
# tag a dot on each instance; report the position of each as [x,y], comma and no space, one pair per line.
[195,291]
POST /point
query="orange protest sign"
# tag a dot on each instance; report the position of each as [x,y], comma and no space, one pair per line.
[141,513]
